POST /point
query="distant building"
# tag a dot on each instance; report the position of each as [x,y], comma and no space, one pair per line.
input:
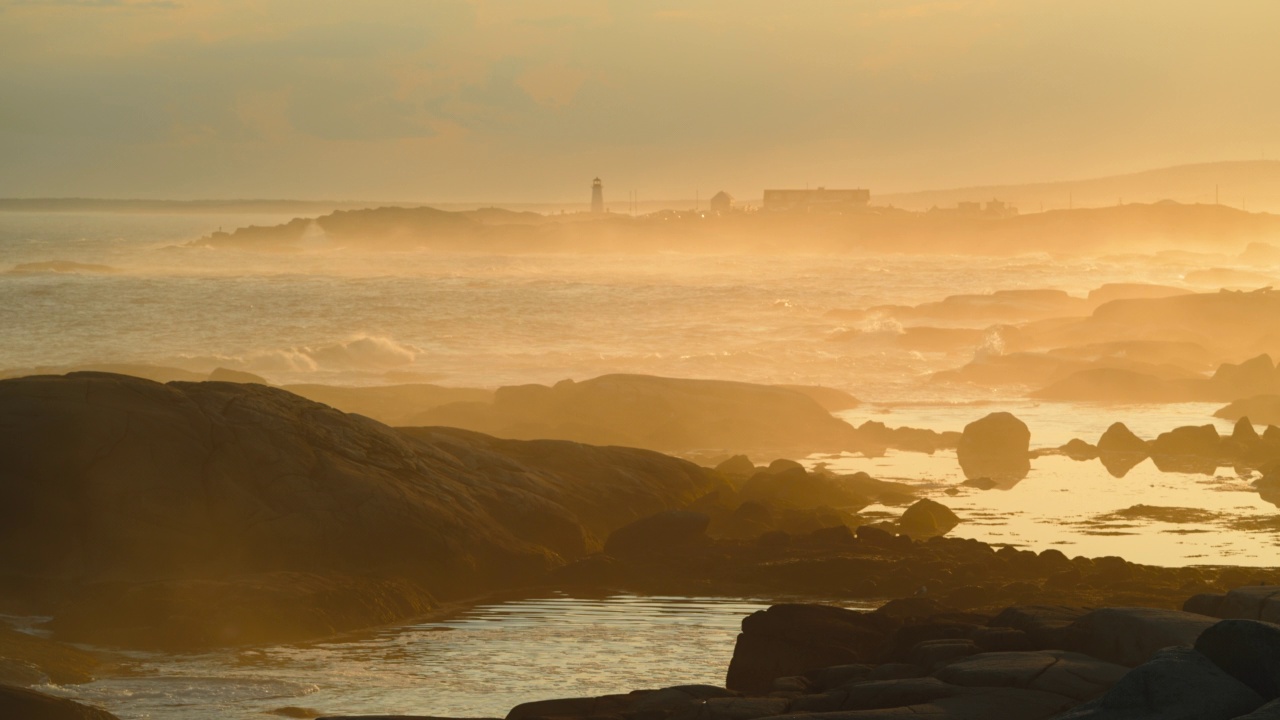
[1000,208]
[821,199]
[993,208]
[721,202]
[597,196]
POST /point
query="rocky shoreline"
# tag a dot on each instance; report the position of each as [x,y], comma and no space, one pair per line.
[1216,659]
[215,514]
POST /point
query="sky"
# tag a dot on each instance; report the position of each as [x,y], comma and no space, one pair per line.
[524,101]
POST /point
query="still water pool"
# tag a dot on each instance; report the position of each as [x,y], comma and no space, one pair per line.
[479,663]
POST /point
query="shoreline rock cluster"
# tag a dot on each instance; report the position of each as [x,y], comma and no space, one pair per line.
[1188,449]
[917,658]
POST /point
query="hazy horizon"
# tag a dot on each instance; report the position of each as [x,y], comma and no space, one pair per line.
[475,102]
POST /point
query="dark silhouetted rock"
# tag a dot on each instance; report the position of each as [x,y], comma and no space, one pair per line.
[1078,449]
[214,513]
[787,640]
[23,704]
[1201,440]
[1120,439]
[662,532]
[1244,433]
[1248,650]
[995,446]
[737,466]
[1176,684]
[927,518]
[1130,636]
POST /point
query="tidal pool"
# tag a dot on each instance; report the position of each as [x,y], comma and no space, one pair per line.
[479,663]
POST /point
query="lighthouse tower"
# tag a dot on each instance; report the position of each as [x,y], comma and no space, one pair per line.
[597,196]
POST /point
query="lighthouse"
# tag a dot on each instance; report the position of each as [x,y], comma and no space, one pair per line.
[597,196]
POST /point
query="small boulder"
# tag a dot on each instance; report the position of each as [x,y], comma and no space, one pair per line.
[927,518]
[1120,439]
[1078,449]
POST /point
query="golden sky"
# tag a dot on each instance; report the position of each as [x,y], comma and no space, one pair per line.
[510,101]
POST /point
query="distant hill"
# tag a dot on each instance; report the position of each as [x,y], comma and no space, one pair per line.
[1255,184]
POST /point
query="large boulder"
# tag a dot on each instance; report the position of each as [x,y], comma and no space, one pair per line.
[1130,636]
[995,446]
[1248,650]
[1176,684]
[791,639]
[115,490]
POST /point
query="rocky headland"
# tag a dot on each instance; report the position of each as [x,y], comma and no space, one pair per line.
[1134,227]
[194,515]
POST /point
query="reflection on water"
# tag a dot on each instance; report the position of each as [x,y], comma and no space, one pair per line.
[479,663]
[1073,505]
